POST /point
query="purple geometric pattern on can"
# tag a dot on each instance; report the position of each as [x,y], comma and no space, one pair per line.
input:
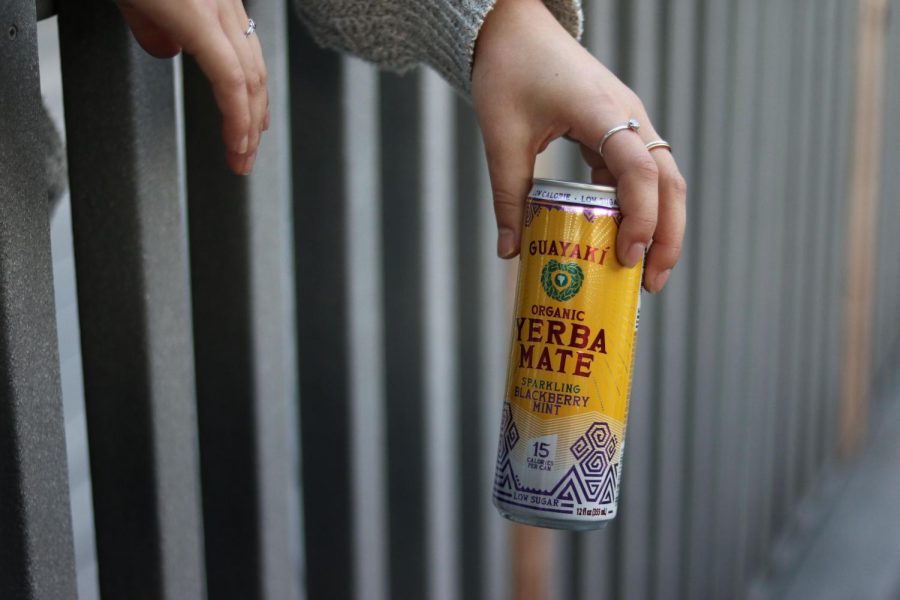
[509,434]
[593,479]
[533,209]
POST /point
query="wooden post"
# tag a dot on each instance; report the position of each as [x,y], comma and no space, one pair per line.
[868,118]
[530,565]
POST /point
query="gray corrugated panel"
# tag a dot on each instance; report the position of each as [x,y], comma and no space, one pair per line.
[471,510]
[845,39]
[440,390]
[562,580]
[133,297]
[640,25]
[841,132]
[758,269]
[707,272]
[766,300]
[810,275]
[733,404]
[881,320]
[786,313]
[890,195]
[817,216]
[483,335]
[240,269]
[826,226]
[600,31]
[677,124]
[787,409]
[404,343]
[366,332]
[69,341]
[496,301]
[320,254]
[597,552]
[799,234]
[892,190]
[830,261]
[816,220]
[37,559]
[887,275]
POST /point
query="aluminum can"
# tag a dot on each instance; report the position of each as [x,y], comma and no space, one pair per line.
[562,431]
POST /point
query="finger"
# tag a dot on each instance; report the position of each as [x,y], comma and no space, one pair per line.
[637,184]
[262,105]
[669,234]
[511,167]
[250,54]
[153,39]
[234,22]
[217,59]
[600,174]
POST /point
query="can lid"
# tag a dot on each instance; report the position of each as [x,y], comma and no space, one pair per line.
[555,190]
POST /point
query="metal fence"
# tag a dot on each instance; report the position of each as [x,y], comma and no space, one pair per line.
[346,296]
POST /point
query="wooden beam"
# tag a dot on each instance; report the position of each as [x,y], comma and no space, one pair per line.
[868,118]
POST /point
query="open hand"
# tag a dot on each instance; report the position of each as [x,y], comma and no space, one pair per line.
[213,31]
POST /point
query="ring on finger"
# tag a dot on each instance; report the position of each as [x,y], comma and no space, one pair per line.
[631,124]
[251,28]
[659,144]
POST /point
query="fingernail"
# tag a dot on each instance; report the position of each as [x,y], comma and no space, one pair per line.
[635,254]
[248,163]
[660,280]
[245,143]
[506,243]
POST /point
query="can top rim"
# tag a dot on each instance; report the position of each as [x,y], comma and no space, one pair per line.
[607,189]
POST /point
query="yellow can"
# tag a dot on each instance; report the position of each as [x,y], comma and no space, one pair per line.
[562,431]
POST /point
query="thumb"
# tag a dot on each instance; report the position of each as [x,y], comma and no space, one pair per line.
[510,161]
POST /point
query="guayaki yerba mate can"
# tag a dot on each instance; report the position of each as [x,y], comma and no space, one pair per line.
[562,430]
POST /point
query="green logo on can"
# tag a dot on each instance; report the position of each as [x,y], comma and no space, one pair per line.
[561,281]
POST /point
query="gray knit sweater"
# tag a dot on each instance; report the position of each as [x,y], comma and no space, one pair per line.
[398,34]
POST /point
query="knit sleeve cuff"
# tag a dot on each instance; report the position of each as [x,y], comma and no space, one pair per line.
[399,34]
[449,36]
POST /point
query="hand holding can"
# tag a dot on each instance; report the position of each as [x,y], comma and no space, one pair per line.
[532,83]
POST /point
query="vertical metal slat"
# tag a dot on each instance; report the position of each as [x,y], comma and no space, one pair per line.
[735,405]
[402,217]
[131,262]
[439,392]
[320,254]
[637,503]
[240,243]
[37,555]
[598,568]
[707,310]
[679,83]
[366,333]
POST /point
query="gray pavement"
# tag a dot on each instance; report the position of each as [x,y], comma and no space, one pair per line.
[854,553]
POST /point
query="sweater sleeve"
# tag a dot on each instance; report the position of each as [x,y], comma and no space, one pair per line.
[399,34]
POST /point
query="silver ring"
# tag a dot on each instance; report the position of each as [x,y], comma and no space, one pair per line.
[632,124]
[659,144]
[251,28]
